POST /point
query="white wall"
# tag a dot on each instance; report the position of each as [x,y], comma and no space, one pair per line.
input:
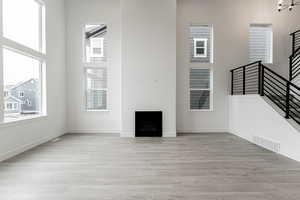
[230,19]
[20,136]
[79,13]
[253,116]
[149,61]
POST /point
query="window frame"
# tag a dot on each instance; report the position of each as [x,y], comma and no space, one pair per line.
[39,55]
[93,65]
[204,55]
[86,89]
[211,89]
[96,55]
[271,47]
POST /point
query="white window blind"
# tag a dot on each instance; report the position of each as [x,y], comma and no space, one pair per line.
[200,89]
[96,89]
[261,43]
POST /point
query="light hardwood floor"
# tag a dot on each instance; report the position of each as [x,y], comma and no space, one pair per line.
[192,166]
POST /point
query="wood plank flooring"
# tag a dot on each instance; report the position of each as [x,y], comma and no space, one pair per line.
[215,166]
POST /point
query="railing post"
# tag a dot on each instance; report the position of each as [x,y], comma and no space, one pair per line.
[259,77]
[262,75]
[291,68]
[287,101]
[293,42]
[244,80]
[232,82]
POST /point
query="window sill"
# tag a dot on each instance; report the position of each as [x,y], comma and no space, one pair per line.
[96,111]
[204,110]
[21,120]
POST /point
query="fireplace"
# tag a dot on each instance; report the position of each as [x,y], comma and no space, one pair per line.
[148,123]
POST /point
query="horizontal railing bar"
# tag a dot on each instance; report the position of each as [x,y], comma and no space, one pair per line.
[281,106]
[270,88]
[295,32]
[294,92]
[296,120]
[256,62]
[273,78]
[284,89]
[276,95]
[294,109]
[279,76]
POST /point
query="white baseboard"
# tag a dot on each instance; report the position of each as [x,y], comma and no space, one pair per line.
[95,131]
[170,134]
[132,135]
[26,147]
[204,131]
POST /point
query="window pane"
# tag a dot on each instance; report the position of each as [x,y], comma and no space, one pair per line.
[200,51]
[200,43]
[260,43]
[201,32]
[200,79]
[199,99]
[96,79]
[96,97]
[21,22]
[22,92]
[96,100]
[95,42]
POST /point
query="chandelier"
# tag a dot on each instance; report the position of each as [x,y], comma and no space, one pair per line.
[287,4]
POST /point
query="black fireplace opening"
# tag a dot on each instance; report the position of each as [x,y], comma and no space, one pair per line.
[148,123]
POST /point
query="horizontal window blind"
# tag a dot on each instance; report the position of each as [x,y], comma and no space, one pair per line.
[200,89]
[261,43]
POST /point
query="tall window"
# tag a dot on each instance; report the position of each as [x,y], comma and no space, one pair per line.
[261,43]
[201,89]
[24,58]
[96,91]
[201,42]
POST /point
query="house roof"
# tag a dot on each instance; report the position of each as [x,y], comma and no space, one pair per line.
[13,98]
[10,87]
[92,32]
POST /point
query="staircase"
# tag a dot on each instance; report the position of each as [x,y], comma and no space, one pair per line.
[256,78]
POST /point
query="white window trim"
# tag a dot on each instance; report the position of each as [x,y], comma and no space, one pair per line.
[94,44]
[211,101]
[98,89]
[270,60]
[39,55]
[21,92]
[13,106]
[204,55]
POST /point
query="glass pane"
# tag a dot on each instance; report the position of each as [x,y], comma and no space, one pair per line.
[96,100]
[200,51]
[21,22]
[95,36]
[200,78]
[96,79]
[22,92]
[200,100]
[200,43]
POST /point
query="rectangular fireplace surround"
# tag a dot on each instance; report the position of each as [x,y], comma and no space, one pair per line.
[148,123]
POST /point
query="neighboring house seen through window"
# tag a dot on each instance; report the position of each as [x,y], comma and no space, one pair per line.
[96,92]
[201,43]
[96,89]
[200,47]
[24,57]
